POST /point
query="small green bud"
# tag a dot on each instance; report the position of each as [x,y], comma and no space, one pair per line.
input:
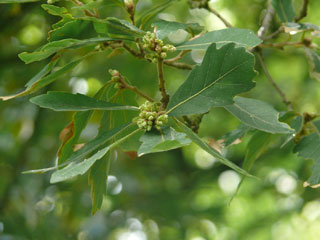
[150,118]
[150,123]
[149,128]
[154,60]
[163,55]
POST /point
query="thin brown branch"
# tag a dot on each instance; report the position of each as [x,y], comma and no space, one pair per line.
[87,12]
[266,21]
[273,83]
[274,34]
[304,11]
[229,25]
[282,44]
[162,88]
[179,65]
[178,57]
[136,90]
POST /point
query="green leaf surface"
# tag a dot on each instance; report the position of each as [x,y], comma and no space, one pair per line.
[55,10]
[18,1]
[259,115]
[293,28]
[75,169]
[197,140]
[43,72]
[113,119]
[62,101]
[73,130]
[241,37]
[53,47]
[297,125]
[44,81]
[97,143]
[238,133]
[98,176]
[164,28]
[284,10]
[164,140]
[223,73]
[151,13]
[314,63]
[309,148]
[257,145]
[122,27]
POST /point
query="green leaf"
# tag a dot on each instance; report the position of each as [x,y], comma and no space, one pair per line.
[152,12]
[18,1]
[164,28]
[113,119]
[223,73]
[75,169]
[197,140]
[293,28]
[71,133]
[314,63]
[258,114]
[284,9]
[43,72]
[98,176]
[257,145]
[74,29]
[238,133]
[122,27]
[164,140]
[241,37]
[297,125]
[53,47]
[55,10]
[62,101]
[309,148]
[44,81]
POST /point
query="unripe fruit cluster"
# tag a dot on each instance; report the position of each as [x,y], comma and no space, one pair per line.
[156,47]
[115,77]
[198,3]
[150,116]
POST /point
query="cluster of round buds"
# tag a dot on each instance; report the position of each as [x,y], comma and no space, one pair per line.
[198,3]
[116,78]
[156,47]
[150,116]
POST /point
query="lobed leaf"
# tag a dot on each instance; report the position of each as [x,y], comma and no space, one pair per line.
[224,72]
[257,114]
[62,101]
[241,37]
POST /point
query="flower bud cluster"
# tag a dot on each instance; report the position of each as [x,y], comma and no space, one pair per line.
[198,3]
[116,78]
[150,116]
[156,47]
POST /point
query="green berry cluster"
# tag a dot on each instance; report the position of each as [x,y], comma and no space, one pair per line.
[198,3]
[156,47]
[150,116]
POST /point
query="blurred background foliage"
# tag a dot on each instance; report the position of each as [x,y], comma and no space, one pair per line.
[181,194]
